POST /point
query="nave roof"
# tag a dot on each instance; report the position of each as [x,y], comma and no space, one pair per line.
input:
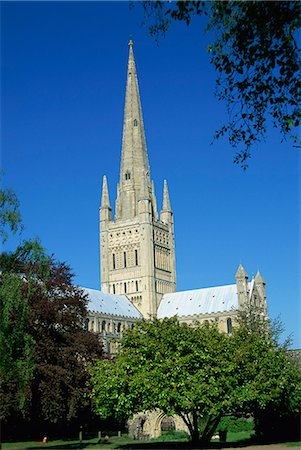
[111,304]
[200,301]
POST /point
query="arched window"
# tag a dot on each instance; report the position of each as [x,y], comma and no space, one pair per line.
[114,261]
[103,326]
[124,258]
[118,327]
[125,288]
[127,175]
[137,287]
[229,326]
[135,122]
[114,289]
[136,257]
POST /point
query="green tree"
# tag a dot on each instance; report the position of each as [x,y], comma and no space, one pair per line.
[176,368]
[10,217]
[269,383]
[48,312]
[16,362]
[197,373]
[16,341]
[256,55]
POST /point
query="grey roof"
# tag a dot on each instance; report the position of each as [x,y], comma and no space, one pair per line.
[111,304]
[200,301]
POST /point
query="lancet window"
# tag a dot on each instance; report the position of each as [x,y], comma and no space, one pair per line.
[229,326]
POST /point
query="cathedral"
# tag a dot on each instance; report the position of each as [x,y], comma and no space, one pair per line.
[137,250]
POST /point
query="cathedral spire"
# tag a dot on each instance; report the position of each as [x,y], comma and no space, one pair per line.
[137,248]
[134,160]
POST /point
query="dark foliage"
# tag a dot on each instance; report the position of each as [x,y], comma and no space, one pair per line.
[274,425]
[57,391]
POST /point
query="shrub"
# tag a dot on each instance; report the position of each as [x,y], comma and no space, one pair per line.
[235,424]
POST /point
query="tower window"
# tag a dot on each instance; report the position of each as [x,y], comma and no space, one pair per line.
[125,288]
[136,257]
[127,175]
[229,326]
[137,288]
[114,261]
[135,122]
[124,258]
[114,289]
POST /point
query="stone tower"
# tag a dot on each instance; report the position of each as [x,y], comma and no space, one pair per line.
[137,253]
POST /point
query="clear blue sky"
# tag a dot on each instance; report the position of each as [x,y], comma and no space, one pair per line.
[62,97]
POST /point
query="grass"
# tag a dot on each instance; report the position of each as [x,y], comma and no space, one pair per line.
[112,443]
[168,440]
[171,436]
[237,436]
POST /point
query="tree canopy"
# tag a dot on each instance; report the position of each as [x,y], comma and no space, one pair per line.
[255,51]
[44,338]
[195,372]
[10,216]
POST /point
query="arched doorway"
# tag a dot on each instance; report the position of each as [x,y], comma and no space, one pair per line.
[167,424]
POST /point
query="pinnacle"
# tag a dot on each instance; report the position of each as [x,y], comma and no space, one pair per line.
[105,202]
[144,192]
[166,201]
[258,278]
[241,273]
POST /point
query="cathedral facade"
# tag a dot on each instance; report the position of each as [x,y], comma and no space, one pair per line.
[137,249]
[138,264]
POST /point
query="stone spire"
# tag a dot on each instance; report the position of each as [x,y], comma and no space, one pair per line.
[241,273]
[166,201]
[259,279]
[166,213]
[105,208]
[242,285]
[105,202]
[260,286]
[134,160]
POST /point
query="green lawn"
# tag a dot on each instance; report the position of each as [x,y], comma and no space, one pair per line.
[237,436]
[124,441]
[112,443]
